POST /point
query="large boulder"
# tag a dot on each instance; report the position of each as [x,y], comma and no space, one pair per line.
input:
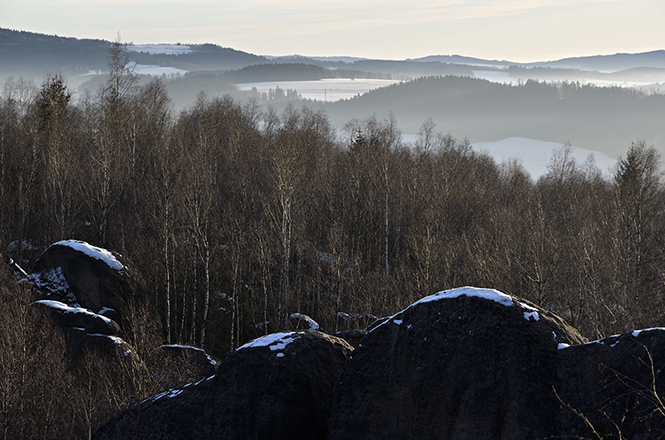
[80,274]
[461,364]
[279,386]
[614,387]
[85,330]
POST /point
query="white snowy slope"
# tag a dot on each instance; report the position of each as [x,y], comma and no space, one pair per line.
[535,156]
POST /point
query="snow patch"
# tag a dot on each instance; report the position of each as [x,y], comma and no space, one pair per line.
[275,341]
[488,294]
[531,315]
[92,251]
[637,332]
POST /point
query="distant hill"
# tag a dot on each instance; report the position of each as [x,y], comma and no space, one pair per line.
[601,63]
[458,59]
[610,63]
[31,54]
[35,55]
[605,119]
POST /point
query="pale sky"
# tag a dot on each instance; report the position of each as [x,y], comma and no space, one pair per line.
[515,30]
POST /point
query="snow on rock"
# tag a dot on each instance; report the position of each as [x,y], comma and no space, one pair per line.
[275,341]
[487,294]
[301,317]
[67,309]
[636,333]
[613,340]
[92,251]
[168,394]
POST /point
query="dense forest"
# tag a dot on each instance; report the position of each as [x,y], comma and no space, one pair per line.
[236,217]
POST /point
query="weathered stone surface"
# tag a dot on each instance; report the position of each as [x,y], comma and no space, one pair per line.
[462,364]
[277,387]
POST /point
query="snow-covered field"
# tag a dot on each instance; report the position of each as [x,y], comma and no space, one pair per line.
[143,69]
[166,49]
[328,90]
[536,155]
[503,77]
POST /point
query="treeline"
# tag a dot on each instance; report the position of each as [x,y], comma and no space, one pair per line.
[238,218]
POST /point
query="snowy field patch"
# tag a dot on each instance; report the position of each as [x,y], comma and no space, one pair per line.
[536,156]
[144,69]
[160,49]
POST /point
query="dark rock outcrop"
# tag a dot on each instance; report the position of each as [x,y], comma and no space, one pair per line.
[279,386]
[85,288]
[614,387]
[77,273]
[461,364]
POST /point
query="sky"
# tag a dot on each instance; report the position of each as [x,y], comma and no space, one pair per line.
[514,30]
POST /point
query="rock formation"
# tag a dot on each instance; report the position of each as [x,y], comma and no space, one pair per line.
[464,363]
[278,386]
[80,274]
[461,364]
